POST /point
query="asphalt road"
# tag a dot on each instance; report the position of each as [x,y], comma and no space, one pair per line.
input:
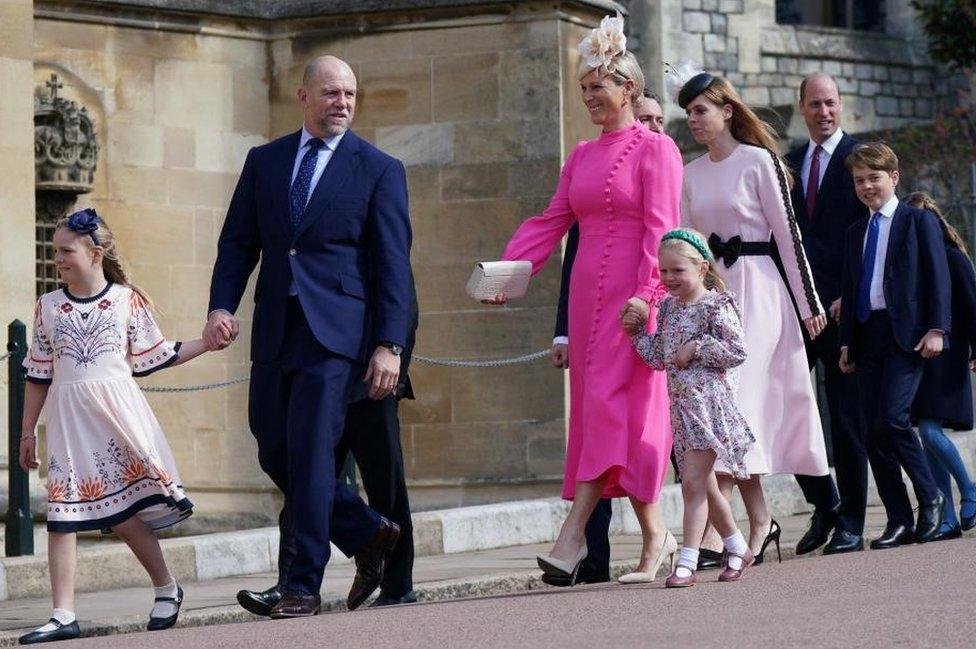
[917,596]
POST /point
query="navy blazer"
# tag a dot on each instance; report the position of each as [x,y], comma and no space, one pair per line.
[836,210]
[349,257]
[916,283]
[562,310]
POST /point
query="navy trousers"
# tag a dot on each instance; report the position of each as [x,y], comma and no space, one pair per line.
[847,440]
[598,537]
[373,436]
[888,378]
[297,410]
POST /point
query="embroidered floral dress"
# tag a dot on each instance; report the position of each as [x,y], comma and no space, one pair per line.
[703,410]
[107,457]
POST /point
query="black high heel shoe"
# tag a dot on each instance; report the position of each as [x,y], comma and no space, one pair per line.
[775,531]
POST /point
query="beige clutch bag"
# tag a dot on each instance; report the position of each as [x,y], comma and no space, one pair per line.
[493,277]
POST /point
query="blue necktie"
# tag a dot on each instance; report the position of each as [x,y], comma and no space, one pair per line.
[862,304]
[303,181]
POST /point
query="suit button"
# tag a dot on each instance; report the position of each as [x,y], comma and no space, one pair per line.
[292,252]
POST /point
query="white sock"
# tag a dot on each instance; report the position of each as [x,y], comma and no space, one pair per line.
[736,545]
[63,616]
[165,609]
[687,562]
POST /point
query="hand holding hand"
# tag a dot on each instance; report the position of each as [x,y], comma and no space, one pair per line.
[383,373]
[815,324]
[220,331]
[28,452]
[845,366]
[930,345]
[634,314]
[499,299]
[835,310]
[559,356]
[685,354]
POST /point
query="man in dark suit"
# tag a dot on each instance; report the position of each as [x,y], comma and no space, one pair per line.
[826,205]
[596,568]
[372,436]
[326,214]
[895,313]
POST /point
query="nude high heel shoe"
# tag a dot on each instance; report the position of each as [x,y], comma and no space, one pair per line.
[668,548]
[559,568]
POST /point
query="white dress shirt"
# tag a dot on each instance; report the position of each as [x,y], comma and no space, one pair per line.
[324,155]
[887,213]
[827,150]
[560,340]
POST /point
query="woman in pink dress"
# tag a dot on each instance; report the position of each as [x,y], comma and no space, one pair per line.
[737,194]
[623,189]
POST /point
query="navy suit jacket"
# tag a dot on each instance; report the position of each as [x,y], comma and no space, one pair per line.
[916,283]
[836,210]
[349,257]
[562,311]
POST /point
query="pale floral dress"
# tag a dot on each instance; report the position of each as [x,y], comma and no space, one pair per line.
[107,458]
[704,415]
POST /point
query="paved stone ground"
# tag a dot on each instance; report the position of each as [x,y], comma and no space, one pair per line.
[917,596]
[445,577]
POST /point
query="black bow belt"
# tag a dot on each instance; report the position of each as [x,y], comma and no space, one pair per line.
[730,251]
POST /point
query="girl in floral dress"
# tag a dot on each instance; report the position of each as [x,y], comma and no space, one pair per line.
[109,466]
[698,340]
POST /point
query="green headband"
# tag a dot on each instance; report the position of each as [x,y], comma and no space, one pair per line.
[690,238]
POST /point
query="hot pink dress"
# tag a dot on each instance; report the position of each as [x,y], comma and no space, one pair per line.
[624,190]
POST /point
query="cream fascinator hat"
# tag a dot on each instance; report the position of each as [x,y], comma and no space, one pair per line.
[603,45]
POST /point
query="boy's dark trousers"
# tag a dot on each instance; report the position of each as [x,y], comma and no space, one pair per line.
[888,378]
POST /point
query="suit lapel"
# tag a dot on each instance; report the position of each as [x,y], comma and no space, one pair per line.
[281,170]
[335,175]
[857,254]
[795,160]
[896,237]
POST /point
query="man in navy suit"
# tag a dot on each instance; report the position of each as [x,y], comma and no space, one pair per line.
[826,205]
[895,313]
[326,215]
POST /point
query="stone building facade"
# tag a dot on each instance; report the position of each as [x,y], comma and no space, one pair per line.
[477,97]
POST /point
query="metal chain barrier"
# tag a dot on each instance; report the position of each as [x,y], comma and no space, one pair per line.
[442,362]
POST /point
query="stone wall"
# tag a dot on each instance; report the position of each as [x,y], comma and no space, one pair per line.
[176,113]
[17,172]
[886,80]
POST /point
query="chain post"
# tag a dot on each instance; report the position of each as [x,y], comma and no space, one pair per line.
[19,529]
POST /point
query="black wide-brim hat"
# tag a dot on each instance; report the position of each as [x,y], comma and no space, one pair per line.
[694,87]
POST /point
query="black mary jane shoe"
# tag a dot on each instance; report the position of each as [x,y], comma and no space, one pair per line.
[160,623]
[62,632]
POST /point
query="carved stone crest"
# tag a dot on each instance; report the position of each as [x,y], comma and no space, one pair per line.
[65,143]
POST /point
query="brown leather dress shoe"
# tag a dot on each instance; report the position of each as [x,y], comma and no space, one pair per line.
[370,563]
[296,605]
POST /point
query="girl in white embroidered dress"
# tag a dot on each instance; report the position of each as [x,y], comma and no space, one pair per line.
[109,466]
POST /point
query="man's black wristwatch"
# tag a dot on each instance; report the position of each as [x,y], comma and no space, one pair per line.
[393,347]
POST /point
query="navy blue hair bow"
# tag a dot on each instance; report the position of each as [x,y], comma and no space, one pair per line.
[85,222]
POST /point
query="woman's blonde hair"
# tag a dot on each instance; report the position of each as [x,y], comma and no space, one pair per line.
[924,201]
[111,260]
[744,125]
[622,68]
[677,242]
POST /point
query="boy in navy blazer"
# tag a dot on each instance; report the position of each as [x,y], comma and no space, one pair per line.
[894,314]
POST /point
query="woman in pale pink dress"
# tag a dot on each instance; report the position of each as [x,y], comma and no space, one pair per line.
[736,195]
[623,189]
